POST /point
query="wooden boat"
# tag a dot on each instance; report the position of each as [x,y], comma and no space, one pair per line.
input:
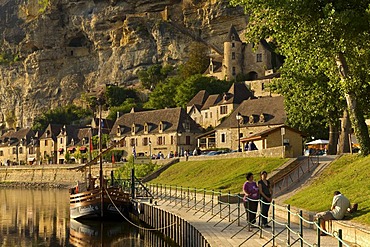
[97,203]
[103,202]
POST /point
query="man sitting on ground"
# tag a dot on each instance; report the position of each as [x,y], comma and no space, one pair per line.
[339,207]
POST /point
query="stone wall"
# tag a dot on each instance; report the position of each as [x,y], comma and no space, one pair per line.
[64,175]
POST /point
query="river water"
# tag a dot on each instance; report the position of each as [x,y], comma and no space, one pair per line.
[30,217]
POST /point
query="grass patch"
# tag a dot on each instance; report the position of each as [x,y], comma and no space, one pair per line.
[222,174]
[349,175]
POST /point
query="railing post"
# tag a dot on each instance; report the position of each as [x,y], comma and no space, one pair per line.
[204,199]
[288,224]
[318,232]
[195,198]
[238,210]
[212,198]
[301,227]
[219,197]
[273,223]
[181,195]
[228,201]
[188,195]
[340,238]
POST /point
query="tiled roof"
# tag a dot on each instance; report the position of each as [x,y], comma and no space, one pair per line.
[237,93]
[13,137]
[52,131]
[211,101]
[272,109]
[233,32]
[199,98]
[174,120]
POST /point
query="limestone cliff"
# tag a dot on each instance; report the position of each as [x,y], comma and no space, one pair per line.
[76,45]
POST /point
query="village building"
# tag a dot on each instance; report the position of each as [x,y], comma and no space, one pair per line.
[156,133]
[209,110]
[13,147]
[261,121]
[241,60]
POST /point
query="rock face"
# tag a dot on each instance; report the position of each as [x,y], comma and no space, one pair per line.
[76,45]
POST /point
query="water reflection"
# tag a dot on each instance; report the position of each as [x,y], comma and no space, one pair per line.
[30,217]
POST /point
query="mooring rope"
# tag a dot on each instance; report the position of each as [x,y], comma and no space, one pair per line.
[132,223]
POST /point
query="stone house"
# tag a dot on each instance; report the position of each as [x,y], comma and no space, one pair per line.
[13,147]
[243,59]
[165,132]
[208,110]
[48,143]
[262,121]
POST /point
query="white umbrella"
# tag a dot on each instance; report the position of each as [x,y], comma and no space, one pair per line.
[318,141]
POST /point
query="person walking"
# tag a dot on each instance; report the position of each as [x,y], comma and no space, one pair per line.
[251,196]
[265,191]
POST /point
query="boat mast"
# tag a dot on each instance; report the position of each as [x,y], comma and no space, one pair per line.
[101,165]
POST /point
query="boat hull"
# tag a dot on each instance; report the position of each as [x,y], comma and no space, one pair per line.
[88,205]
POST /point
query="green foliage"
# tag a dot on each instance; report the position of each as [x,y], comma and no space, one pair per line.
[349,175]
[141,170]
[314,35]
[125,107]
[43,4]
[154,75]
[197,62]
[176,91]
[7,58]
[105,139]
[163,94]
[61,115]
[116,96]
[220,174]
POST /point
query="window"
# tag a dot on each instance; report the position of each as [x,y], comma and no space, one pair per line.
[223,137]
[21,150]
[210,115]
[223,109]
[233,37]
[132,142]
[159,140]
[145,141]
[234,71]
[46,143]
[206,115]
[232,44]
[14,150]
[133,129]
[172,140]
[160,127]
[259,57]
[233,55]
[187,140]
[61,141]
[146,128]
[1,153]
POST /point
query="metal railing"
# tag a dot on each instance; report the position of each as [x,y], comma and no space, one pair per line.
[227,208]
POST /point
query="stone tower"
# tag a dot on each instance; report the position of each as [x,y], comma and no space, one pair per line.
[233,55]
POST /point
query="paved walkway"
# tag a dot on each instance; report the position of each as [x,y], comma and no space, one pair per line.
[215,231]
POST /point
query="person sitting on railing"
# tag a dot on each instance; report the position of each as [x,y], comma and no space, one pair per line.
[251,196]
[339,207]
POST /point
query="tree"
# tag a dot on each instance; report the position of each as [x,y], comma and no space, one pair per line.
[125,107]
[116,96]
[324,34]
[163,95]
[155,74]
[198,60]
[61,115]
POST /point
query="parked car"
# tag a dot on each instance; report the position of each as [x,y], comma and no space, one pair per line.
[213,153]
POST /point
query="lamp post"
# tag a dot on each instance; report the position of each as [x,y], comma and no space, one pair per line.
[150,149]
[238,118]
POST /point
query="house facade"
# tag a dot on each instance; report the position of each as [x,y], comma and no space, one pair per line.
[13,147]
[249,60]
[209,110]
[259,120]
[161,133]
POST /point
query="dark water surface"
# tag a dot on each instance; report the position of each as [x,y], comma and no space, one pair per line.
[30,217]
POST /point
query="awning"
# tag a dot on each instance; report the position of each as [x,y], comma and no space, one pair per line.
[319,141]
[60,149]
[83,148]
[71,149]
[31,159]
